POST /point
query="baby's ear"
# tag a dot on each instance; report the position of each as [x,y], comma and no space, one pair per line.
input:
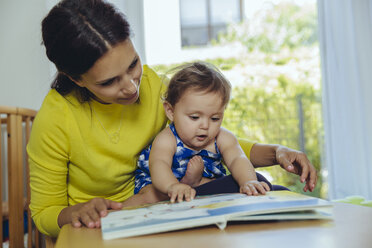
[168,110]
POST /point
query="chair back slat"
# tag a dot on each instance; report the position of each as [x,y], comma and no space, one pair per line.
[1,185]
[15,181]
[28,122]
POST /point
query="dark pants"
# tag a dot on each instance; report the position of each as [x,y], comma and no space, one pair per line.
[227,184]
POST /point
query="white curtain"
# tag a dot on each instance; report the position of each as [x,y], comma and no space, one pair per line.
[346,57]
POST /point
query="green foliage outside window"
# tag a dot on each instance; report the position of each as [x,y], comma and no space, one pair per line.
[274,117]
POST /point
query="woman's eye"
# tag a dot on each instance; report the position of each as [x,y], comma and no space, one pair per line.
[109,82]
[134,63]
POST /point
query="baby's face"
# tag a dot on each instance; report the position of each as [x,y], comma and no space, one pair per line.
[197,117]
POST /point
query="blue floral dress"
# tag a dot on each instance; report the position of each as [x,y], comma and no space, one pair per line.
[213,167]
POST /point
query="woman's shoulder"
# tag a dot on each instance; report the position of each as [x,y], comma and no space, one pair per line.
[51,121]
[151,75]
[56,103]
[55,108]
[52,102]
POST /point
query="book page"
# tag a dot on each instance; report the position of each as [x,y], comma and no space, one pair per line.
[206,210]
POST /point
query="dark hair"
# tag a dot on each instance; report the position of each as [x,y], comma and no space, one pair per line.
[199,76]
[76,33]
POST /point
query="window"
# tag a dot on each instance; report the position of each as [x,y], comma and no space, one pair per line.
[202,20]
[273,64]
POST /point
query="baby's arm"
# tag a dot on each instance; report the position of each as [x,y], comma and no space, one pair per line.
[160,163]
[239,165]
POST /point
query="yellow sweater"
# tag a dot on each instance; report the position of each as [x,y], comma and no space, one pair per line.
[72,159]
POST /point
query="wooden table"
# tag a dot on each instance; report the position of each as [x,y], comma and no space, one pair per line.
[351,227]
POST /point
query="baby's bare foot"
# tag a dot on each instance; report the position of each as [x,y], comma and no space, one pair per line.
[194,172]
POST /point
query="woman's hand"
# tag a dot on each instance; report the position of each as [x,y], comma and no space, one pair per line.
[293,161]
[297,162]
[87,214]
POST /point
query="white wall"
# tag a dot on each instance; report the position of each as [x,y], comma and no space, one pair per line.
[162,31]
[26,73]
[133,10]
[24,70]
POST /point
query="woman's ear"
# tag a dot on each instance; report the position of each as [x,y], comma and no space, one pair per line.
[79,83]
[168,110]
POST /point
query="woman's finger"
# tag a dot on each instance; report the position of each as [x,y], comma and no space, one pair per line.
[95,217]
[86,220]
[75,220]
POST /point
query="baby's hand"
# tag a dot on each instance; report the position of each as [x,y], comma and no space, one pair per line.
[180,191]
[254,187]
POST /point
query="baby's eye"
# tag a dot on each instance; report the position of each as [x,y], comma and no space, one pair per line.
[215,118]
[193,117]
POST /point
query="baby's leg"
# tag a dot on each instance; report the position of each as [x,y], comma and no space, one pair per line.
[146,195]
[194,172]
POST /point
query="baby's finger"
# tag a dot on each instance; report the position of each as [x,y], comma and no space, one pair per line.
[245,189]
[253,189]
[265,185]
[260,188]
[173,197]
[188,195]
[180,196]
[193,193]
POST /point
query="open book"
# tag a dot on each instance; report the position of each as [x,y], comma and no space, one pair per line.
[214,209]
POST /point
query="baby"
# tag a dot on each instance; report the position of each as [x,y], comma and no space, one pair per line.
[190,151]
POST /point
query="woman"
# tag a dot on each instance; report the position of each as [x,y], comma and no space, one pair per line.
[103,109]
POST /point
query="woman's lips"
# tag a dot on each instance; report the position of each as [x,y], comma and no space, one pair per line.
[130,97]
[133,95]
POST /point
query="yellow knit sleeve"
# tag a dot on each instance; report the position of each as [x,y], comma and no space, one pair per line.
[246,146]
[48,150]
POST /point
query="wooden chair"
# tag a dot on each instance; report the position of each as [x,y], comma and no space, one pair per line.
[18,123]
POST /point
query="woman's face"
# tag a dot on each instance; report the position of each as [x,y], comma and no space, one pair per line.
[116,76]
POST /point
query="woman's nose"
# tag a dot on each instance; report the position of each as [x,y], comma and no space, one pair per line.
[129,86]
